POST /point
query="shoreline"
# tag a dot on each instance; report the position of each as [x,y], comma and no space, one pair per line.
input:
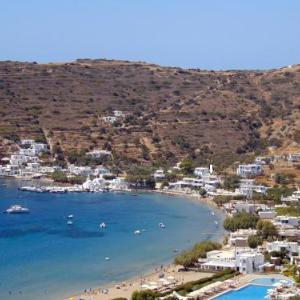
[125,288]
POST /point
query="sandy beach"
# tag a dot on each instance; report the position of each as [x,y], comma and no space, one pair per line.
[162,277]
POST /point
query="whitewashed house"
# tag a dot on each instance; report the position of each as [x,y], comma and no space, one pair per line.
[110,119]
[18,159]
[244,260]
[293,157]
[267,214]
[27,142]
[249,170]
[39,147]
[286,220]
[295,197]
[201,171]
[80,171]
[249,262]
[98,153]
[101,171]
[159,175]
[28,152]
[118,113]
[290,247]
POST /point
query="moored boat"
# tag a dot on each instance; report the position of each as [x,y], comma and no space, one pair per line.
[17,209]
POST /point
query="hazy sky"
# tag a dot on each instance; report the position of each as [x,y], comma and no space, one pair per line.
[210,34]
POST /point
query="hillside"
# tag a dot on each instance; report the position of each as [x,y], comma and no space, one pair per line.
[169,112]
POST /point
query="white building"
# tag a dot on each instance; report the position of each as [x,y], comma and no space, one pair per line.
[18,159]
[99,153]
[249,262]
[110,119]
[293,157]
[286,220]
[201,171]
[241,206]
[244,260]
[159,175]
[81,171]
[28,152]
[295,197]
[27,142]
[118,113]
[290,247]
[39,147]
[249,170]
[100,171]
[267,214]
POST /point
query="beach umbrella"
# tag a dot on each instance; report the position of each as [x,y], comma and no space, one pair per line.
[277,284]
[145,286]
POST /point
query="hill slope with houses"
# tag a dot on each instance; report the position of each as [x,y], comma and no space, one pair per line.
[146,113]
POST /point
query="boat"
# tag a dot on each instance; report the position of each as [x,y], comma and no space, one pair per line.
[102,225]
[137,232]
[162,225]
[17,209]
[212,213]
[216,222]
[31,189]
[107,258]
[70,222]
[70,216]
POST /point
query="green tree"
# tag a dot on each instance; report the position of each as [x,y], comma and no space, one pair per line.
[254,241]
[266,229]
[242,220]
[199,250]
[187,166]
[231,182]
[144,295]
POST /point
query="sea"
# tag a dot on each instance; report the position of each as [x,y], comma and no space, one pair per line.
[42,257]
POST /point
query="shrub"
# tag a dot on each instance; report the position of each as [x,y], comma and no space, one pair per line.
[231,182]
[254,241]
[199,250]
[266,229]
[281,178]
[240,220]
[144,295]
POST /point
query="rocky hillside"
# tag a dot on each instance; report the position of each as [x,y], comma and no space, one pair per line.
[169,113]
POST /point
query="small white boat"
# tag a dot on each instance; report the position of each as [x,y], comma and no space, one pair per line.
[17,209]
[162,225]
[212,213]
[102,225]
[70,216]
[70,222]
[107,258]
[137,232]
[216,222]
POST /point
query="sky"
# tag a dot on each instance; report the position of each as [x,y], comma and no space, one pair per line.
[205,34]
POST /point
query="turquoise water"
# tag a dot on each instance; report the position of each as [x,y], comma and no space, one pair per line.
[41,257]
[269,281]
[249,292]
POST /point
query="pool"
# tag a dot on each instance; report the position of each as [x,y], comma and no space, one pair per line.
[269,281]
[248,292]
[256,290]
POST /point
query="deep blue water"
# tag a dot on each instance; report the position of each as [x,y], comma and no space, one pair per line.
[41,257]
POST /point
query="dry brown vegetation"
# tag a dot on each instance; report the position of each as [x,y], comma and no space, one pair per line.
[170,112]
